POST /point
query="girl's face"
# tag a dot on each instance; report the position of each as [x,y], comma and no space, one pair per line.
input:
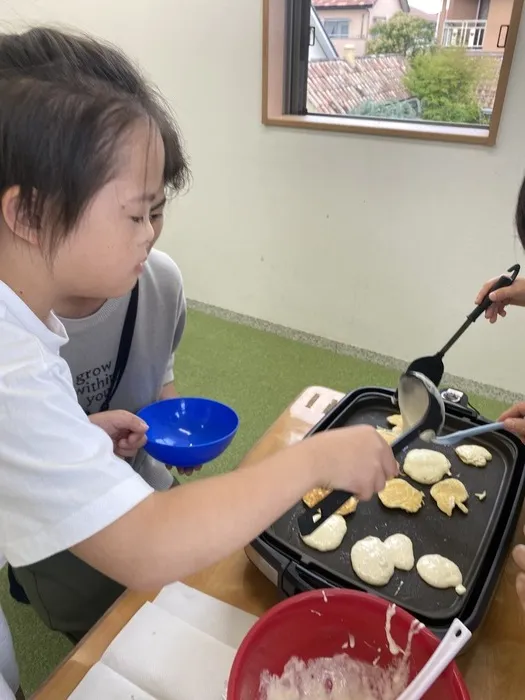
[104,256]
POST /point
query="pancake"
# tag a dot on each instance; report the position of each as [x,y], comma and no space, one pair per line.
[448,494]
[313,497]
[401,551]
[474,455]
[396,420]
[387,435]
[371,561]
[398,493]
[328,536]
[440,572]
[426,466]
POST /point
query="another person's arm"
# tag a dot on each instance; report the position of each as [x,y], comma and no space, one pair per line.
[514,417]
[514,420]
[518,555]
[168,391]
[501,298]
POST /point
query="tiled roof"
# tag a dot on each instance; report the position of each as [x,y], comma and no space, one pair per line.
[335,87]
[342,4]
[487,89]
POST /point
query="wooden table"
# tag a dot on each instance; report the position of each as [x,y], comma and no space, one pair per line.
[494,665]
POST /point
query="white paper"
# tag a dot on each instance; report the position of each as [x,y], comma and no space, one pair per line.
[101,683]
[209,615]
[168,658]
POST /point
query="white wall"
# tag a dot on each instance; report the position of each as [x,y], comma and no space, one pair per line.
[384,8]
[384,247]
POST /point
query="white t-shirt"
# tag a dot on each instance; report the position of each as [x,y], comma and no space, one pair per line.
[60,482]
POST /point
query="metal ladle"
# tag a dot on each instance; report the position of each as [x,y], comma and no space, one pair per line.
[432,366]
[423,412]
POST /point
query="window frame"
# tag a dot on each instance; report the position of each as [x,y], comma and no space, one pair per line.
[276,76]
[339,20]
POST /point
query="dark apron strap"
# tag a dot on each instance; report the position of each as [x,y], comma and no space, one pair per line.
[124,347]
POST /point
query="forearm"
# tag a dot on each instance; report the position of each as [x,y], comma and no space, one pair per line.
[168,391]
[176,533]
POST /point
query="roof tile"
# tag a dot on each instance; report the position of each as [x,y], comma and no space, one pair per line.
[336,87]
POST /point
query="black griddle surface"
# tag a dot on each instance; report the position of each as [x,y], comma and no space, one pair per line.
[465,539]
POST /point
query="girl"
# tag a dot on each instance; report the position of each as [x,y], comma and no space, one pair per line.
[63,590]
[82,161]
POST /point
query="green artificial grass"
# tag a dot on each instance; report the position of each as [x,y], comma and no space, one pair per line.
[258,374]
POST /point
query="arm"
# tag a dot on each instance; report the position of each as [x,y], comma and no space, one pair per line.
[64,489]
[173,534]
[168,391]
[501,298]
[170,535]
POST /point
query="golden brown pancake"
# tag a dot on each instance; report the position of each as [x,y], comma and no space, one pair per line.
[396,420]
[388,435]
[398,493]
[448,494]
[313,497]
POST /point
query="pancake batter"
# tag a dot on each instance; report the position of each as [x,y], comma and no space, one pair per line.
[474,455]
[401,551]
[327,536]
[426,466]
[440,572]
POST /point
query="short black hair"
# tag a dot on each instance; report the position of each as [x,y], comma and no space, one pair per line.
[66,102]
[520,214]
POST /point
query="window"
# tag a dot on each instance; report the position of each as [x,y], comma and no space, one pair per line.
[438,83]
[337,28]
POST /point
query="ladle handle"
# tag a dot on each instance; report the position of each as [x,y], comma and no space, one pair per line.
[453,642]
[503,281]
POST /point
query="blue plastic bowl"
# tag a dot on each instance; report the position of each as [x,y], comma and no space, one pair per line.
[188,432]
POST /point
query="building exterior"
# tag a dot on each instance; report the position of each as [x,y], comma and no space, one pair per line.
[321,47]
[476,24]
[349,21]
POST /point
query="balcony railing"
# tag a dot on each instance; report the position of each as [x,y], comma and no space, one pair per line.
[467,33]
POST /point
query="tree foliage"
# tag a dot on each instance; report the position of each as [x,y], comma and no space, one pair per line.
[388,110]
[446,81]
[403,34]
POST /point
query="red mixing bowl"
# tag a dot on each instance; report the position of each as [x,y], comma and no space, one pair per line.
[295,628]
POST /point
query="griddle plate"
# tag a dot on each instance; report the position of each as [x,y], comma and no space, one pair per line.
[464,539]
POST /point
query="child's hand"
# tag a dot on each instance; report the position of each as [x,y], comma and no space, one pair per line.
[354,459]
[188,472]
[514,420]
[127,431]
[518,555]
[513,296]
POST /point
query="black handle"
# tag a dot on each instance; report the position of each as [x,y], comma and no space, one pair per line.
[295,579]
[405,440]
[504,281]
[331,503]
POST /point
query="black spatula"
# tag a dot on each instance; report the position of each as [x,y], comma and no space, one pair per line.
[413,386]
[432,366]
